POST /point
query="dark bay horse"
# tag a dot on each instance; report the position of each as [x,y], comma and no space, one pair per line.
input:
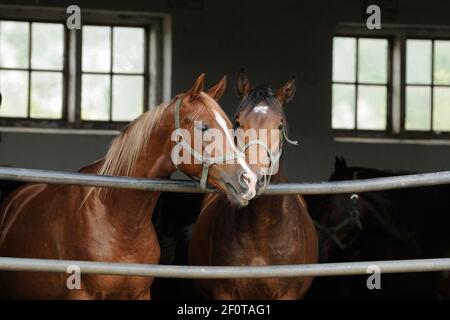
[114,225]
[271,230]
[384,225]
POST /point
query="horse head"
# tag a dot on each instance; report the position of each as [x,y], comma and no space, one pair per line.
[342,218]
[211,155]
[261,125]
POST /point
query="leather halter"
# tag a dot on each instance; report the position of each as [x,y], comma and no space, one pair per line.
[205,161]
[352,218]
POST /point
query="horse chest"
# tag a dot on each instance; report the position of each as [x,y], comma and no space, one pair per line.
[270,231]
[259,248]
[140,247]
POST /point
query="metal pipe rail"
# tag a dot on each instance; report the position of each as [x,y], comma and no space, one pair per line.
[198,272]
[162,185]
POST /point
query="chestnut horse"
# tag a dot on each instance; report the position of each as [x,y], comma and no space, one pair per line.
[271,230]
[114,225]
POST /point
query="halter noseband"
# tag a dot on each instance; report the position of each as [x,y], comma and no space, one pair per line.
[205,161]
[274,158]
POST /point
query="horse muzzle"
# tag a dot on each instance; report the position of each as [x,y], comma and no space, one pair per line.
[241,191]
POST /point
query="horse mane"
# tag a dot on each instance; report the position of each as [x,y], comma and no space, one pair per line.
[123,152]
[125,148]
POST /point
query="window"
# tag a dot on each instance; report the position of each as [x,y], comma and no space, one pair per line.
[428,85]
[360,83]
[113,73]
[99,77]
[31,69]
[391,83]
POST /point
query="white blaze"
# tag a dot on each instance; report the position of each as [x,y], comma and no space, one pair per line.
[222,123]
[260,109]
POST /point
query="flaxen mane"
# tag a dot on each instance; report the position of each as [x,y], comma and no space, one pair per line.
[125,148]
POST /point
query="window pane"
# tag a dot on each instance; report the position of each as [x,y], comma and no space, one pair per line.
[372,59]
[128,54]
[14,89]
[343,113]
[344,52]
[418,61]
[372,107]
[441,112]
[48,46]
[418,108]
[46,95]
[96,49]
[95,97]
[442,62]
[14,37]
[128,97]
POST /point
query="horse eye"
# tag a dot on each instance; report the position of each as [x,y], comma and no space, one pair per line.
[280,127]
[238,124]
[205,127]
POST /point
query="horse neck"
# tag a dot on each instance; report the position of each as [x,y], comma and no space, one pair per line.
[130,206]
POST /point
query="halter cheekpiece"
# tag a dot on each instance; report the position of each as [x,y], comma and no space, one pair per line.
[205,161]
[274,158]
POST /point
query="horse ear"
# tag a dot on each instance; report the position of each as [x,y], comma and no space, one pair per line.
[197,88]
[217,90]
[340,164]
[287,92]
[242,84]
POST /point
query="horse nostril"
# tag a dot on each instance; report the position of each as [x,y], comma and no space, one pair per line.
[244,181]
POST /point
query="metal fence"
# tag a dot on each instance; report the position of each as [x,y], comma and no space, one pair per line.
[323,269]
[351,186]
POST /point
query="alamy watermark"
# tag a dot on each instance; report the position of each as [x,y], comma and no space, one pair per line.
[74,19]
[374,20]
[374,280]
[73,281]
